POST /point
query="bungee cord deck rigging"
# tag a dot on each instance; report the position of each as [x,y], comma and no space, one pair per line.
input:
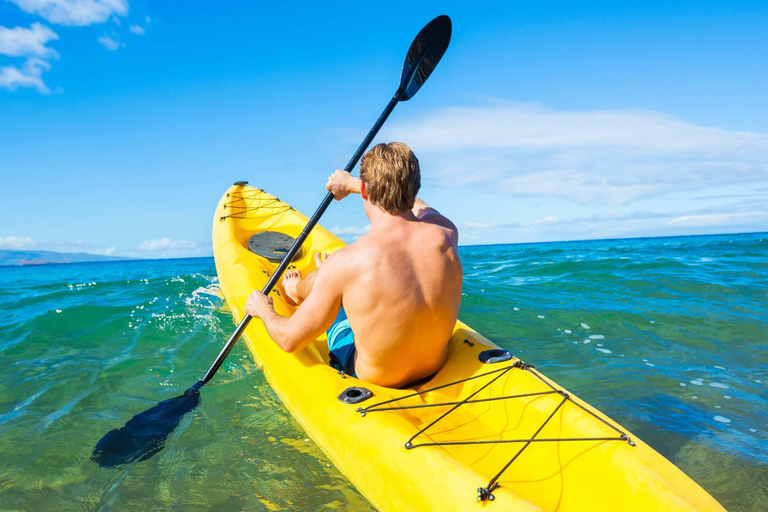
[486,492]
[238,207]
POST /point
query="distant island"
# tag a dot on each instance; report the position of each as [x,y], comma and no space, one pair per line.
[20,258]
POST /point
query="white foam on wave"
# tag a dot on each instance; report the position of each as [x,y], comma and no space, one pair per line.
[722,419]
[587,341]
[604,350]
[516,308]
[585,326]
[650,364]
[203,297]
[726,397]
[541,317]
[720,367]
[684,384]
[718,385]
[79,286]
[597,337]
[696,382]
[567,331]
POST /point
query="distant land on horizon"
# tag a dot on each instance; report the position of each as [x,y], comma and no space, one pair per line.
[10,258]
[24,258]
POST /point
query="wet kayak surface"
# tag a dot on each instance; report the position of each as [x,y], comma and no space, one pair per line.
[665,335]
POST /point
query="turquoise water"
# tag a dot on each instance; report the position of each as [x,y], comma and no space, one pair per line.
[667,336]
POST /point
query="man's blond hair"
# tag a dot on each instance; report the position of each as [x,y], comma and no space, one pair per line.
[392,176]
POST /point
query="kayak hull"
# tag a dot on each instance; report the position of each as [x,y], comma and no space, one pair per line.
[370,449]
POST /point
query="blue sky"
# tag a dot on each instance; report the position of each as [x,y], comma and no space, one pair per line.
[122,122]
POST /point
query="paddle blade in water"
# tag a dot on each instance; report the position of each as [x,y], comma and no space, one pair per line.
[423,55]
[144,435]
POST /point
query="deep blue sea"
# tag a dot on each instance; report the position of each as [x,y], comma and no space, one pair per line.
[668,336]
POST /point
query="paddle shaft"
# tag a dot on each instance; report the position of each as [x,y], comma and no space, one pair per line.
[301,238]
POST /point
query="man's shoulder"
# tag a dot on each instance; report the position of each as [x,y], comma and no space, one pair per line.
[432,216]
[360,250]
[349,256]
[440,227]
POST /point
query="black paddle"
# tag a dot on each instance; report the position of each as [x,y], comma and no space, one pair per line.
[144,435]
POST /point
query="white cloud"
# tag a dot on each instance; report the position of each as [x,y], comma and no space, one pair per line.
[350,233]
[166,243]
[138,30]
[74,12]
[549,219]
[16,243]
[611,157]
[714,219]
[25,42]
[28,75]
[169,248]
[515,125]
[733,217]
[350,230]
[109,43]
[110,251]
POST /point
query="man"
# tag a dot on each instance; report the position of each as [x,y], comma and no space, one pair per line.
[399,284]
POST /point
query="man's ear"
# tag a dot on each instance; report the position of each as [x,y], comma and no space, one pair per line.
[363,190]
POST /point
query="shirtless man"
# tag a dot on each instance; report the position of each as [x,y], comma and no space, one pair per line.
[400,284]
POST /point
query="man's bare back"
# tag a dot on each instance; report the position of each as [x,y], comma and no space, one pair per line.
[400,285]
[402,293]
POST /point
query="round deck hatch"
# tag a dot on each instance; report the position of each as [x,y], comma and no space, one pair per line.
[272,245]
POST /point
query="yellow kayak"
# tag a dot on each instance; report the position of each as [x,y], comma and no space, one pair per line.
[487,431]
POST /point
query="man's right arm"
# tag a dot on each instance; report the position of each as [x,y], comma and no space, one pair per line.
[341,184]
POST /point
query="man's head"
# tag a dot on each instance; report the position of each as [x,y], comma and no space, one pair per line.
[391,176]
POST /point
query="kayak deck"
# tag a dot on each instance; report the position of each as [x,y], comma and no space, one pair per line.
[473,425]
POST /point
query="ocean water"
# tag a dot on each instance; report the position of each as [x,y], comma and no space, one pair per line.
[668,336]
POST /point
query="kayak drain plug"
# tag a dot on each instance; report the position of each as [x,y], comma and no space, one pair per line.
[355,395]
[494,355]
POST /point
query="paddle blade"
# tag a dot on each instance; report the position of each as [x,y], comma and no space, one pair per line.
[144,435]
[423,55]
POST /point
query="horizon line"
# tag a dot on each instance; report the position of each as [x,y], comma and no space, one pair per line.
[117,259]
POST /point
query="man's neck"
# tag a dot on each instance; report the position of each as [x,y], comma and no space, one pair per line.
[381,219]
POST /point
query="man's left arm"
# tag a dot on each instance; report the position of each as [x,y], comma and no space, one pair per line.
[311,319]
[426,213]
